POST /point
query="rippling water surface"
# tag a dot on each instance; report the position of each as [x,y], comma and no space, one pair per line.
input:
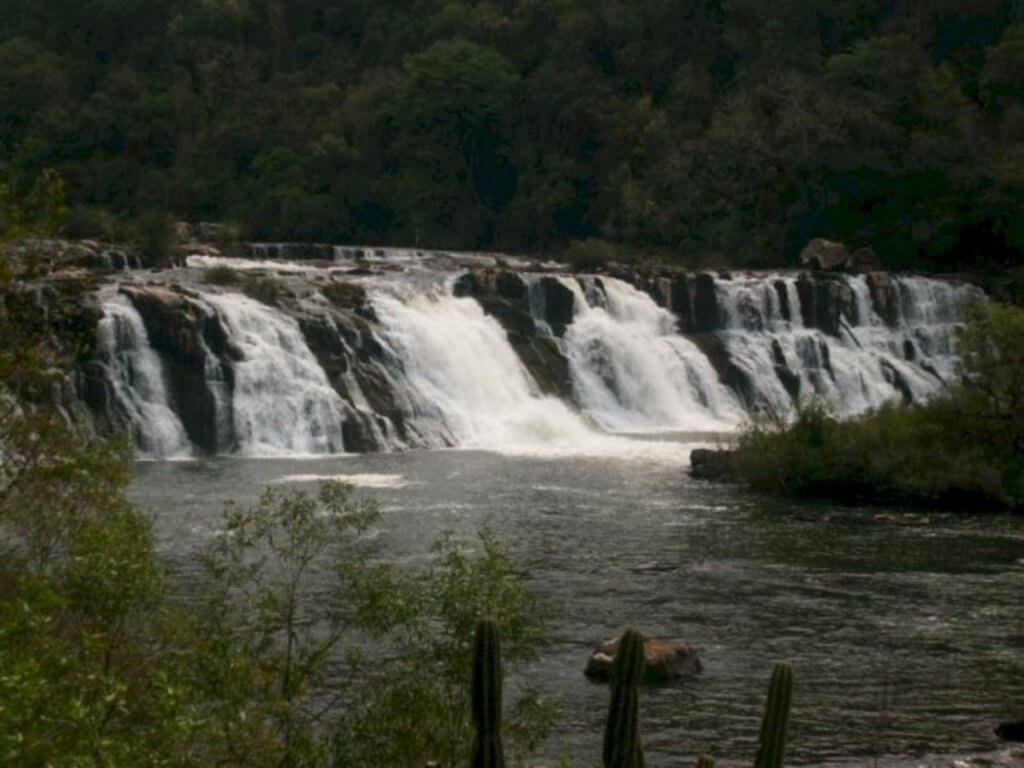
[908,641]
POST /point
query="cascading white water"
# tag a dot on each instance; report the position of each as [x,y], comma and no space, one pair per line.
[868,365]
[467,387]
[282,401]
[631,370]
[447,374]
[466,384]
[136,378]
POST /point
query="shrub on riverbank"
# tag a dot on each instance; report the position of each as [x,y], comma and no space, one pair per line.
[963,450]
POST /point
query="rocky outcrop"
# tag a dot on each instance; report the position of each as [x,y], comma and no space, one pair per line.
[707,464]
[505,296]
[824,255]
[864,260]
[665,660]
[342,340]
[826,304]
[185,334]
[883,296]
[56,308]
[830,256]
[694,302]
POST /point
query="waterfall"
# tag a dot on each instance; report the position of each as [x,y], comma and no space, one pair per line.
[464,383]
[136,380]
[867,365]
[396,359]
[632,371]
[282,400]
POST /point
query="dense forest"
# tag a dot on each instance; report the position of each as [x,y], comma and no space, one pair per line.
[713,130]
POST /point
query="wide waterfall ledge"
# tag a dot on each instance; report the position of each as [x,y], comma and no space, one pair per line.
[324,357]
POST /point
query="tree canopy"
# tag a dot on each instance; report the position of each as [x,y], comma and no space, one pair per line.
[727,129]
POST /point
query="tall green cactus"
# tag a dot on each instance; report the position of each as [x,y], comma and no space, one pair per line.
[487,752]
[776,717]
[622,747]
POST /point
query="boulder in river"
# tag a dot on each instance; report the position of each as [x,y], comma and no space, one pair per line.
[665,660]
[1012,730]
[708,464]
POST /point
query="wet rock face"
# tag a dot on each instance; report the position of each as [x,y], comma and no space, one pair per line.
[183,334]
[558,302]
[351,357]
[883,296]
[505,296]
[826,303]
[692,298]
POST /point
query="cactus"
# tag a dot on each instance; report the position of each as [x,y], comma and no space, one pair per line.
[705,761]
[487,751]
[776,716]
[622,747]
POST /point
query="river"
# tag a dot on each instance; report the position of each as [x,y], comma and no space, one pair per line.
[908,641]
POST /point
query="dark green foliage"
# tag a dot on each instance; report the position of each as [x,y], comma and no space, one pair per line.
[222,276]
[427,621]
[265,289]
[705,761]
[154,233]
[589,255]
[622,748]
[84,222]
[487,750]
[772,742]
[739,128]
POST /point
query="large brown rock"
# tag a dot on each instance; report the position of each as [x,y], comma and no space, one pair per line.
[864,260]
[665,660]
[824,254]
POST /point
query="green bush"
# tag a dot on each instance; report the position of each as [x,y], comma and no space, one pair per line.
[428,620]
[222,275]
[590,255]
[264,289]
[84,222]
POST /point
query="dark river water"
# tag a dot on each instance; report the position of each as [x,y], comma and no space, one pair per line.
[908,642]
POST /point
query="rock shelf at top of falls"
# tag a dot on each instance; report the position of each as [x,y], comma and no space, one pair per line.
[332,357]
